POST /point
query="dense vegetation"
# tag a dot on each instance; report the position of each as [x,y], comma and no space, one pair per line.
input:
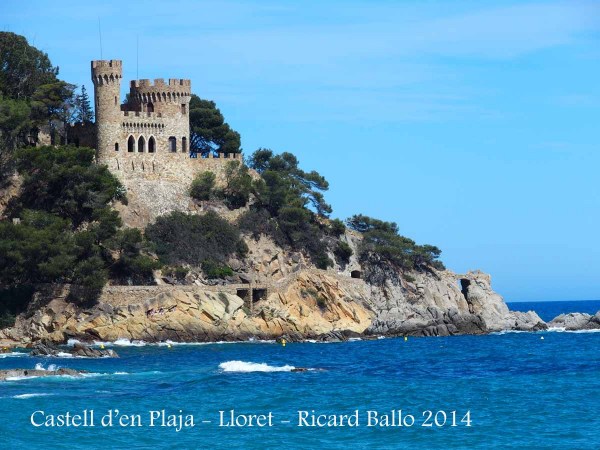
[235,191]
[383,247]
[31,97]
[289,205]
[65,229]
[207,241]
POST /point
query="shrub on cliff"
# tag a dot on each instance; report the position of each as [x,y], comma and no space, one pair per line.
[181,238]
[238,185]
[132,265]
[342,252]
[382,245]
[213,270]
[202,186]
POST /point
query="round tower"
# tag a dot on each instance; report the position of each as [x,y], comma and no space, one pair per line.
[106,76]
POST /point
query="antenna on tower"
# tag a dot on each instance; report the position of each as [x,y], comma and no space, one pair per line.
[100,33]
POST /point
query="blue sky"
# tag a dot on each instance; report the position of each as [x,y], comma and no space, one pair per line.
[473,125]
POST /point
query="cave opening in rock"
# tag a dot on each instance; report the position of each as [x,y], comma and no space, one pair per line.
[464,286]
[243,293]
[259,294]
[356,274]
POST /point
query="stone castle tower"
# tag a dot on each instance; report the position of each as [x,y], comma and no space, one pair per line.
[148,135]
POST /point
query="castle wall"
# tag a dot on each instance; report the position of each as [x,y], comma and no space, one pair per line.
[164,166]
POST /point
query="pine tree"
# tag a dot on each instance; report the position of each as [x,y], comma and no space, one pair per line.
[83,108]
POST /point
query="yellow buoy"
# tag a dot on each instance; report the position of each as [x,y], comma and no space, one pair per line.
[283,342]
[102,346]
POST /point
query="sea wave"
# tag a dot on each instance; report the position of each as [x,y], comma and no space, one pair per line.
[564,330]
[34,394]
[243,366]
[12,355]
[123,342]
[503,332]
[51,367]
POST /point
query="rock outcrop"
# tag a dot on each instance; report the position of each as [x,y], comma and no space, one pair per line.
[7,375]
[48,348]
[576,321]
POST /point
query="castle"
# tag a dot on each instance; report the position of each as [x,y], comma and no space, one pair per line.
[147,136]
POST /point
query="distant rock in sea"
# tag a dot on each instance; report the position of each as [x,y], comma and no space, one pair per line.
[47,348]
[576,321]
[17,374]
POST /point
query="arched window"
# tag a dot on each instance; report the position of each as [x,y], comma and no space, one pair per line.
[131,144]
[151,144]
[150,107]
[172,144]
[184,144]
[116,146]
[141,144]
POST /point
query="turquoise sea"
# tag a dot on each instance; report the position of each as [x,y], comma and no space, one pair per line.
[514,390]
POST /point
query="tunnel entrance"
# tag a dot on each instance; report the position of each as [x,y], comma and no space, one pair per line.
[356,274]
[258,294]
[243,294]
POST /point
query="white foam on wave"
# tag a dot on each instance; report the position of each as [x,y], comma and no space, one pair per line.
[12,355]
[564,330]
[32,395]
[243,366]
[503,332]
[20,378]
[51,367]
[123,342]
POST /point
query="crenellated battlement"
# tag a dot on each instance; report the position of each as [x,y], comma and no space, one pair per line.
[107,63]
[160,82]
[106,71]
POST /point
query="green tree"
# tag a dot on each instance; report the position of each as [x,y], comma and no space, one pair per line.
[383,245]
[238,185]
[52,105]
[66,225]
[15,126]
[65,181]
[23,68]
[208,130]
[202,186]
[285,184]
[39,249]
[83,108]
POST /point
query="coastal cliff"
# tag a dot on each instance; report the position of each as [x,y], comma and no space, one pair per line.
[309,304]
